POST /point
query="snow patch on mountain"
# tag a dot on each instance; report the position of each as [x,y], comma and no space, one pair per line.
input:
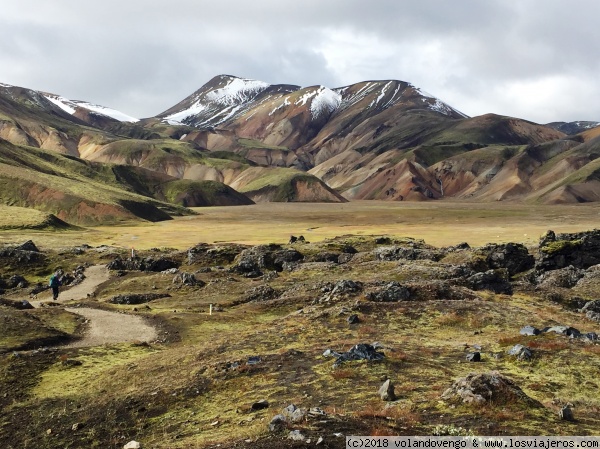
[70,106]
[438,105]
[113,113]
[237,91]
[286,103]
[325,102]
[587,125]
[62,103]
[179,117]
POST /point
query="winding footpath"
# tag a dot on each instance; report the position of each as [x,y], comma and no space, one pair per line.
[103,327]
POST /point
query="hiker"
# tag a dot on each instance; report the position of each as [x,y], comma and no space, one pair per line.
[54,284]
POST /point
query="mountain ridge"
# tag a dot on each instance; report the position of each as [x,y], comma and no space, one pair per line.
[376,139]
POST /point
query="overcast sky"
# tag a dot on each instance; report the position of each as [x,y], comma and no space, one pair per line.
[533,59]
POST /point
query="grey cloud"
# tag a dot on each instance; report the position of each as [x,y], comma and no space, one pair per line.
[143,57]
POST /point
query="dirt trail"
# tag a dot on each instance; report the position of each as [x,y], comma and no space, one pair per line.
[110,327]
[104,327]
[94,276]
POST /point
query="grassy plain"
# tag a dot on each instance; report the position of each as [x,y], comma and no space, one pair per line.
[195,387]
[438,223]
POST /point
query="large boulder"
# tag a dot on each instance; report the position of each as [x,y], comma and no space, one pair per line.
[260,293]
[493,280]
[143,264]
[410,252]
[211,255]
[360,351]
[512,256]
[137,298]
[391,292]
[188,279]
[582,250]
[563,277]
[592,310]
[27,246]
[24,254]
[492,388]
[252,261]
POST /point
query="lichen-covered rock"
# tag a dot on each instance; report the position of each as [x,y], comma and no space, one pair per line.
[563,277]
[391,292]
[582,250]
[142,264]
[521,352]
[409,252]
[493,280]
[492,387]
[386,391]
[592,310]
[137,298]
[512,256]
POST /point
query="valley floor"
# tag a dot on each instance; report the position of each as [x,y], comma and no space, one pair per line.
[243,332]
[438,223]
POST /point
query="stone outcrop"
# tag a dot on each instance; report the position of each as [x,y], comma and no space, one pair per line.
[581,250]
[492,387]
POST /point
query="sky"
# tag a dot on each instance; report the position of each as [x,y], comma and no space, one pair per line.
[533,59]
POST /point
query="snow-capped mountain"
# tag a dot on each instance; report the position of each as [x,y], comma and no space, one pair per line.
[82,110]
[226,98]
[71,106]
[573,127]
[221,99]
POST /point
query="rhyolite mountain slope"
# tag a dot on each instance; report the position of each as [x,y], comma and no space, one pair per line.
[388,140]
[167,169]
[371,140]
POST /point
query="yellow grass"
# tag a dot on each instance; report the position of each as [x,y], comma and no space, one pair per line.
[438,223]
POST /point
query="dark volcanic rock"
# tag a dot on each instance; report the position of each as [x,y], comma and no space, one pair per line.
[493,387]
[521,352]
[13,282]
[473,357]
[353,319]
[254,260]
[512,256]
[286,258]
[563,277]
[360,351]
[391,292]
[494,280]
[260,293]
[326,257]
[188,279]
[19,305]
[28,246]
[564,330]
[592,310]
[145,264]
[211,255]
[137,298]
[21,256]
[529,330]
[582,250]
[411,252]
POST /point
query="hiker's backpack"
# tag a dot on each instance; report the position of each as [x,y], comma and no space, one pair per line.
[53,281]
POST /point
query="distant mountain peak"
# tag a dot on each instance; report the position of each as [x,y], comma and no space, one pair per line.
[71,107]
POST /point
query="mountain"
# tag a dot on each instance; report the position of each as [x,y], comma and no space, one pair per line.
[161,167]
[385,140]
[381,140]
[572,128]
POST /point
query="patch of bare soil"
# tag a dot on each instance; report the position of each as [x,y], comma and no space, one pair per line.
[110,327]
[103,327]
